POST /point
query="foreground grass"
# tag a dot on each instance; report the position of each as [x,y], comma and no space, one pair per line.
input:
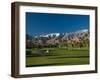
[60,61]
[58,56]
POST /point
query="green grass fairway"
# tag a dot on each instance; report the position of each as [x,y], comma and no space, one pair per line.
[57,56]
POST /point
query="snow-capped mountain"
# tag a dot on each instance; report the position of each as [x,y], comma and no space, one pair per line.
[57,37]
[53,35]
[50,35]
[77,34]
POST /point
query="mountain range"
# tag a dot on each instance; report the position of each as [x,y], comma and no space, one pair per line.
[53,38]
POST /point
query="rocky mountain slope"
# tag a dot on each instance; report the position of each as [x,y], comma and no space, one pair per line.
[56,37]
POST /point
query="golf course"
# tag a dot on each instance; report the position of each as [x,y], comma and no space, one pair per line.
[56,56]
[57,39]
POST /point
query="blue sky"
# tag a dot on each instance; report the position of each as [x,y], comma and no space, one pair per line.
[40,23]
